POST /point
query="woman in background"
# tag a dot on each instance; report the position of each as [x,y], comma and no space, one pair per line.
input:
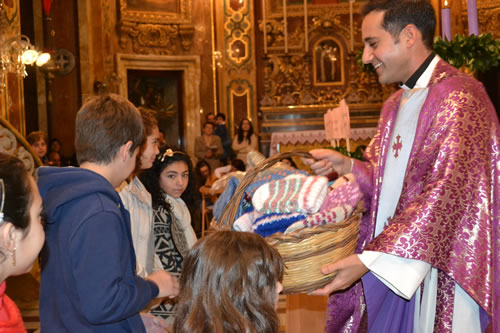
[209,146]
[245,141]
[230,284]
[21,232]
[167,181]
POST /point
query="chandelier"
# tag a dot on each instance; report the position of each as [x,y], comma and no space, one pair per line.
[15,54]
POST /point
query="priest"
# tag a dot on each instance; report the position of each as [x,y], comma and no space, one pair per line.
[428,254]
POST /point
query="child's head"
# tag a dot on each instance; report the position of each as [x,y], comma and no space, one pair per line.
[38,141]
[237,165]
[149,149]
[54,158]
[21,232]
[229,283]
[55,145]
[220,118]
[203,169]
[171,174]
[104,124]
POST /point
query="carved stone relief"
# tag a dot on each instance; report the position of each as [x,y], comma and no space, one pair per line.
[143,29]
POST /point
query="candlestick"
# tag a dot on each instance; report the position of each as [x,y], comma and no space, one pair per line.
[285,27]
[472,17]
[351,24]
[264,25]
[445,23]
[306,33]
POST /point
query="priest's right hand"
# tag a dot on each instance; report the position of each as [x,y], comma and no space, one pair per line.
[327,161]
[166,282]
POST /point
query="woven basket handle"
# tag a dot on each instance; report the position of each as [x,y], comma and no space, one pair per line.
[227,219]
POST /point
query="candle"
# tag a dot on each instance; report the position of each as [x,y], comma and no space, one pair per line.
[285,27]
[472,17]
[351,24]
[306,37]
[264,25]
[445,22]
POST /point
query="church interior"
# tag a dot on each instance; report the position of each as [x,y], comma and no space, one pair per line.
[280,63]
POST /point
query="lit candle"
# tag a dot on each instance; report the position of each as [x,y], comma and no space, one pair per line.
[306,37]
[352,24]
[285,27]
[472,17]
[445,21]
[264,25]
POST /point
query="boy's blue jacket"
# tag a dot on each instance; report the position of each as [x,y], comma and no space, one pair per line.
[88,279]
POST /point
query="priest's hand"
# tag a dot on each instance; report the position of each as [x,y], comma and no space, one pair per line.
[349,270]
[327,161]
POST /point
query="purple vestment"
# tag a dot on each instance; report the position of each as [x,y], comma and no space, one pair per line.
[449,209]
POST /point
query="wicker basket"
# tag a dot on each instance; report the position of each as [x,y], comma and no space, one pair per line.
[304,251]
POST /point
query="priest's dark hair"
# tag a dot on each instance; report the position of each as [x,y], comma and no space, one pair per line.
[228,285]
[400,13]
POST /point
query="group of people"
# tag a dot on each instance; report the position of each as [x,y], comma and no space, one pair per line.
[52,157]
[215,147]
[117,234]
[428,255]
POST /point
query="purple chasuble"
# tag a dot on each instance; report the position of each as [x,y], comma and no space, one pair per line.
[448,212]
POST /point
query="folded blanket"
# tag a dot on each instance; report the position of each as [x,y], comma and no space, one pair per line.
[292,194]
[246,221]
[334,215]
[272,223]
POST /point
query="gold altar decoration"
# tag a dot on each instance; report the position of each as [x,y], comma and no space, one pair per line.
[144,24]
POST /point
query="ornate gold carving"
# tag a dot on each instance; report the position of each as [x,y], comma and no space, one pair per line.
[186,32]
[149,34]
[489,21]
[151,38]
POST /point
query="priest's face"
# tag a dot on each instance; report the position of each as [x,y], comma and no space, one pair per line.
[387,54]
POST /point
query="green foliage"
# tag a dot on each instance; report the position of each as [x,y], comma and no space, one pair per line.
[477,53]
[357,154]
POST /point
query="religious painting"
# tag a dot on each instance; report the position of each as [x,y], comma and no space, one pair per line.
[328,62]
[160,91]
[156,11]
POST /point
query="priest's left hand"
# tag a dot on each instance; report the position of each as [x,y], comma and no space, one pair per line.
[349,270]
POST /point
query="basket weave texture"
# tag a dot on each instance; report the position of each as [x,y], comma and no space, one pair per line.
[304,251]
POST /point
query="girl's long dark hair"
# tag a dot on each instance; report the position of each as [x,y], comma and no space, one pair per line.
[228,285]
[151,178]
[241,136]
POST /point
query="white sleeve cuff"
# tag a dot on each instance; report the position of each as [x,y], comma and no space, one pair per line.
[403,276]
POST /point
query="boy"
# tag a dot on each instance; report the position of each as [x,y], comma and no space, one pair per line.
[88,279]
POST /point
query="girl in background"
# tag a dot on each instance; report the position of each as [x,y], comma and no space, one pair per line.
[230,283]
[245,141]
[21,232]
[168,181]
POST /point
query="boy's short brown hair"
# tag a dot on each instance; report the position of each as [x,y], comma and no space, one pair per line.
[104,124]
